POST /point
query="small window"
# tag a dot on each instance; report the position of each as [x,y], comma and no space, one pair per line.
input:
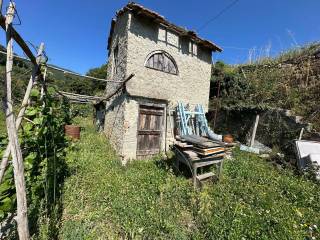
[116,58]
[193,49]
[162,61]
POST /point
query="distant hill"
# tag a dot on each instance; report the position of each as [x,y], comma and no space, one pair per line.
[65,82]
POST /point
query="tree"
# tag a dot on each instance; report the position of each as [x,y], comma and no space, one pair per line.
[99,72]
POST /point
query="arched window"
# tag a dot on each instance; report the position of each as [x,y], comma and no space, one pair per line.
[162,61]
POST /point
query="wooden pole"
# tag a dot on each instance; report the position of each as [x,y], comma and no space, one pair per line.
[217,106]
[119,88]
[16,36]
[1,2]
[254,131]
[43,83]
[301,133]
[83,76]
[6,155]
[17,160]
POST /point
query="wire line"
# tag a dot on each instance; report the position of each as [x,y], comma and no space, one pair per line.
[218,15]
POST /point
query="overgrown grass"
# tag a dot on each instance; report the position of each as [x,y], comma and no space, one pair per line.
[104,200]
[288,81]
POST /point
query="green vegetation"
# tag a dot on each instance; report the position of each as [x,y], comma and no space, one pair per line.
[79,85]
[43,146]
[100,198]
[64,82]
[145,200]
[289,81]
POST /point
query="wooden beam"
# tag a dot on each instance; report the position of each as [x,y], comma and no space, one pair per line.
[119,88]
[80,95]
[16,36]
[79,75]
[17,160]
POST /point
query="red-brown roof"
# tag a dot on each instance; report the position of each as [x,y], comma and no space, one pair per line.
[147,13]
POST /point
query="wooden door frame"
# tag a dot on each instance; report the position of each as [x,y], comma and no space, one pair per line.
[162,106]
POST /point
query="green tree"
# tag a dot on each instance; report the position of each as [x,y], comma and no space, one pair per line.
[99,72]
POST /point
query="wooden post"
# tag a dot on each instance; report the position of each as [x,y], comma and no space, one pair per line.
[254,131]
[6,154]
[17,160]
[1,1]
[43,83]
[301,133]
[217,106]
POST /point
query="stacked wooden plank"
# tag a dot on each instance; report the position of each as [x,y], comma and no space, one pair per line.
[199,153]
[200,147]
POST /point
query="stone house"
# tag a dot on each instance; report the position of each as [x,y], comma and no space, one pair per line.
[170,64]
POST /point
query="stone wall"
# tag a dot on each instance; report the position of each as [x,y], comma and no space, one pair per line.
[114,118]
[114,122]
[192,83]
[136,39]
[276,129]
[119,39]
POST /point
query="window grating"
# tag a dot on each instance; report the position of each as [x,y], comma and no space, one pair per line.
[162,61]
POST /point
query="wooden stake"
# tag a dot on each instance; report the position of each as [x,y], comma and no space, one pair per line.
[1,1]
[17,160]
[254,131]
[6,155]
[301,133]
[217,106]
[43,83]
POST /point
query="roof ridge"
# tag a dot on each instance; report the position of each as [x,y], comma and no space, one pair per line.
[146,12]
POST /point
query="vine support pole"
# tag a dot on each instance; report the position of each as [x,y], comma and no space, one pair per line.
[24,105]
[43,83]
[17,160]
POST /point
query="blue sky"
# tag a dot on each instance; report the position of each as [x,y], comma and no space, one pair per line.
[75,32]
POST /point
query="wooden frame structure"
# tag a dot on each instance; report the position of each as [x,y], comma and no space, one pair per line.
[12,124]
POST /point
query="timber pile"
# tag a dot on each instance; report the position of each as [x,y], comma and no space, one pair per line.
[200,146]
[199,154]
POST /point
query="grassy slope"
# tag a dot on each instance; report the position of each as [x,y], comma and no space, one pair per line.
[254,201]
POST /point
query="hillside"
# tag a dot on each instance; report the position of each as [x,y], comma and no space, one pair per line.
[146,200]
[288,81]
[65,82]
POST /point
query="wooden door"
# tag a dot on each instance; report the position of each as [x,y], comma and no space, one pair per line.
[150,127]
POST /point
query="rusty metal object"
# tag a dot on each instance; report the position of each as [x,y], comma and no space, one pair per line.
[72,131]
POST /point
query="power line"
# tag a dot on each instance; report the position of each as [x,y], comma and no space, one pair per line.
[218,15]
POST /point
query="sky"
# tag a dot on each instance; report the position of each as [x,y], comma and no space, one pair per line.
[75,32]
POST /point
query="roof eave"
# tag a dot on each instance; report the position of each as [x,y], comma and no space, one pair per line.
[140,10]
